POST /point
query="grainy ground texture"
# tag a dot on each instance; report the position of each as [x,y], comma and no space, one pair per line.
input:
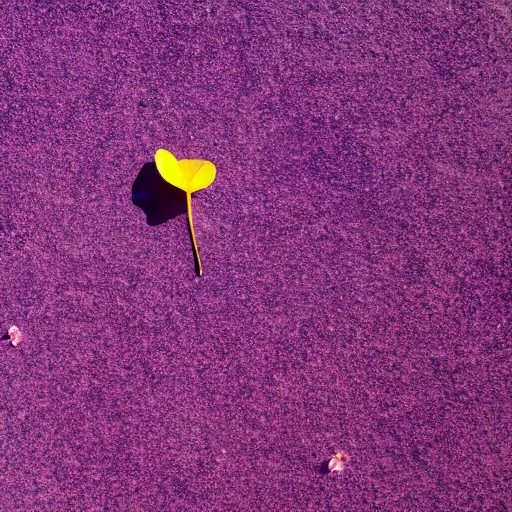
[356,247]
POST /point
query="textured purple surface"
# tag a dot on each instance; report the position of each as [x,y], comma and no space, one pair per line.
[356,249]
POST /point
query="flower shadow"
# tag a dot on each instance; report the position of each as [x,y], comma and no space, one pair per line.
[159,200]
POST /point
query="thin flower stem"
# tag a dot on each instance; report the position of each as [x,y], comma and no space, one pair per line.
[191,224]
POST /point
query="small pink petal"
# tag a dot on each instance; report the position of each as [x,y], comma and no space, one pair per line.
[14,335]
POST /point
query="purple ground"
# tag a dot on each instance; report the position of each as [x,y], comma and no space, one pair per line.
[356,247]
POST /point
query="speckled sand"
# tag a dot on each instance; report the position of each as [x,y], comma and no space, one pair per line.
[356,247]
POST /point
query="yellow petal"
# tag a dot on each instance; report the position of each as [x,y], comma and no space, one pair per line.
[199,173]
[188,175]
[169,169]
